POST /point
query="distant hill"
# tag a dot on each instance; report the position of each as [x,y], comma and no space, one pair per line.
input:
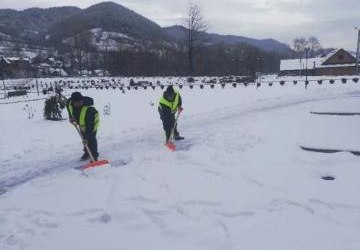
[109,17]
[32,24]
[179,34]
[51,27]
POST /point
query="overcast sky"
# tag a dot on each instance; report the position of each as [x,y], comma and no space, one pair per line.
[332,21]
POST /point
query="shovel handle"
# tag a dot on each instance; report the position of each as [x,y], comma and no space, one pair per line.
[83,141]
[173,129]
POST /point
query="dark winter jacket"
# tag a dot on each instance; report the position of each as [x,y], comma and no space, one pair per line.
[89,118]
[166,114]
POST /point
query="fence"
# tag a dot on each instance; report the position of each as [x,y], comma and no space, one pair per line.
[180,83]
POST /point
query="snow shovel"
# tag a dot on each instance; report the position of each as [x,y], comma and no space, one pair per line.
[171,144]
[93,163]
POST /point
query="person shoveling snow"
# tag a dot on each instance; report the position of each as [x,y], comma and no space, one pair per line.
[85,118]
[170,104]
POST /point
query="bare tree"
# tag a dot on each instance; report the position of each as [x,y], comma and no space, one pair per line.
[301,44]
[314,45]
[296,47]
[195,24]
[108,39]
[80,46]
[17,48]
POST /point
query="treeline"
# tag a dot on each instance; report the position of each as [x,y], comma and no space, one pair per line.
[214,60]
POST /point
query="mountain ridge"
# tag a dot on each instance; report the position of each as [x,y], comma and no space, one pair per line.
[178,32]
[52,26]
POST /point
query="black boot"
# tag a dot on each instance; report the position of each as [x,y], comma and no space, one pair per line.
[85,157]
[96,156]
[177,137]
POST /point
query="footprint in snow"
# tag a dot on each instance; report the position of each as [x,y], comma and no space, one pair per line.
[141,199]
[202,203]
[236,214]
[104,218]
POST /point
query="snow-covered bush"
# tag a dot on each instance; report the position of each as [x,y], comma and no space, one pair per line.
[53,108]
[190,80]
[29,111]
[107,109]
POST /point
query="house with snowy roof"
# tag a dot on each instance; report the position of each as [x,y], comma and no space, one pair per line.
[339,62]
[15,67]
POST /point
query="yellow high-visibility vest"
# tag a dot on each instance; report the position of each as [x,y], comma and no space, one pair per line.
[172,105]
[82,118]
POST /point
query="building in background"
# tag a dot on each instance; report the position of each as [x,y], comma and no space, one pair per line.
[15,67]
[339,62]
[25,67]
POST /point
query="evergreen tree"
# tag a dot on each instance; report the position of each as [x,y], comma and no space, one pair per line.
[53,107]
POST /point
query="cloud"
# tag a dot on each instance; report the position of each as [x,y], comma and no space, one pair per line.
[332,21]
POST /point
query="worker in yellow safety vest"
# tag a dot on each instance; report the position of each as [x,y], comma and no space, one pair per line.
[82,112]
[170,103]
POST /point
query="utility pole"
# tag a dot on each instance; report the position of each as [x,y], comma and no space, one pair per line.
[357,51]
[259,72]
[306,66]
[3,80]
[2,75]
[36,77]
[306,62]
[37,86]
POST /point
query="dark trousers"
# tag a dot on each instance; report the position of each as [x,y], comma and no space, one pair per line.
[93,145]
[168,126]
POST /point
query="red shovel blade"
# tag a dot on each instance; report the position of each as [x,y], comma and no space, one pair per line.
[171,146]
[95,164]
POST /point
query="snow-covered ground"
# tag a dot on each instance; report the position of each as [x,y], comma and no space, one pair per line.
[238,181]
[333,125]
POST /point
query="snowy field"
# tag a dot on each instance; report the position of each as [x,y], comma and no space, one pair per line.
[239,181]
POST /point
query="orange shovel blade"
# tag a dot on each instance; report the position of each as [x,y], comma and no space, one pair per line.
[95,164]
[171,146]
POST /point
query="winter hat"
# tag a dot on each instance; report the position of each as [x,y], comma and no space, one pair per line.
[76,96]
[170,90]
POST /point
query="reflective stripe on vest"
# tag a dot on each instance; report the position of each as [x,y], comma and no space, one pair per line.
[172,105]
[82,118]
